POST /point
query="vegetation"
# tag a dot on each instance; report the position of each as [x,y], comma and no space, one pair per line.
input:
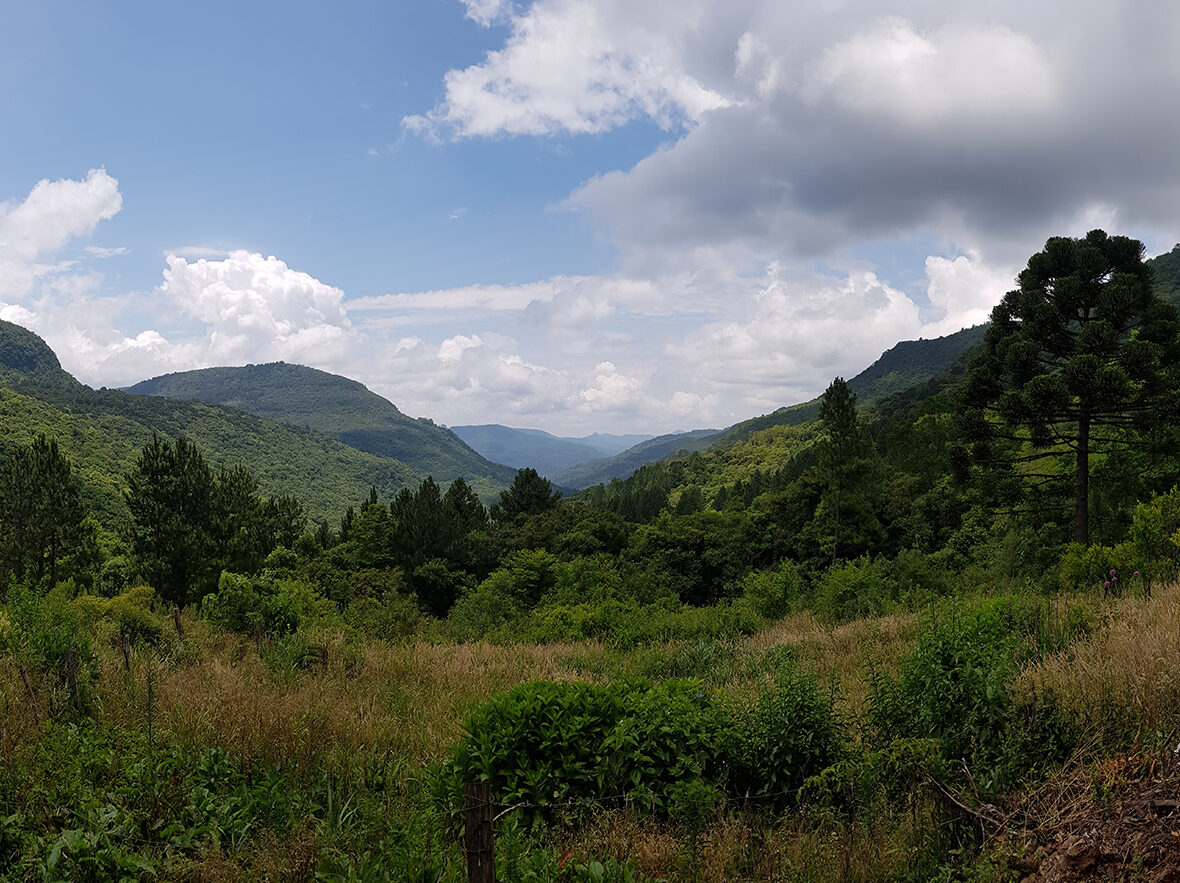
[839,650]
[335,406]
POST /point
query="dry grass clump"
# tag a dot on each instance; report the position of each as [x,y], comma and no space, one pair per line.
[754,848]
[352,700]
[839,655]
[1123,680]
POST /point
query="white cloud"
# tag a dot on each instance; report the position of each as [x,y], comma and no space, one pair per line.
[575,66]
[488,12]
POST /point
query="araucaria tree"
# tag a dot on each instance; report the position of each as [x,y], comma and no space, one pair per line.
[1078,360]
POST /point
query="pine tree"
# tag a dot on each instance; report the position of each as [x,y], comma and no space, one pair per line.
[170,496]
[849,470]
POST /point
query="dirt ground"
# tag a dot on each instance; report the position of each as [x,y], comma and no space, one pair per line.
[1111,820]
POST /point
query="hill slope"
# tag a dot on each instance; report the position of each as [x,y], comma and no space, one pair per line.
[102,432]
[901,367]
[621,465]
[335,406]
[546,453]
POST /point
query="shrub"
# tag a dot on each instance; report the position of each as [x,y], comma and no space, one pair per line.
[786,734]
[954,687]
[129,613]
[1089,567]
[392,618]
[774,593]
[551,745]
[854,590]
[261,605]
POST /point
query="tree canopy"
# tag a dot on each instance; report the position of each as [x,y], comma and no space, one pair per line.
[1080,358]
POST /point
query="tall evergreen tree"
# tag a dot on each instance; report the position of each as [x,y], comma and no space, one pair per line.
[1078,360]
[530,494]
[42,520]
[849,471]
[170,495]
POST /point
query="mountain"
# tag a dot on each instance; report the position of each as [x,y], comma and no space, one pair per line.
[337,407]
[548,454]
[901,367]
[102,431]
[607,444]
[1166,268]
[621,465]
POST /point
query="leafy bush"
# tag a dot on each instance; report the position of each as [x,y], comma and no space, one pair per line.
[1089,567]
[1153,536]
[774,593]
[260,605]
[550,745]
[129,613]
[392,618]
[854,590]
[954,687]
[786,734]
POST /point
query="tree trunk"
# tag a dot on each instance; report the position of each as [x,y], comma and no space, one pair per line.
[1081,485]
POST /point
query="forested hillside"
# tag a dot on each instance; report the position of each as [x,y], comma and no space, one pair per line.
[101,431]
[337,407]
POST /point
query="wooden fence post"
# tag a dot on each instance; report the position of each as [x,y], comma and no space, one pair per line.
[24,676]
[478,836]
[176,619]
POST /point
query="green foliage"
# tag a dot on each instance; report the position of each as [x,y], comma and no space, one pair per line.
[1079,359]
[529,494]
[867,780]
[954,688]
[392,617]
[775,592]
[129,613]
[170,495]
[854,590]
[555,746]
[1154,536]
[260,605]
[43,525]
[786,734]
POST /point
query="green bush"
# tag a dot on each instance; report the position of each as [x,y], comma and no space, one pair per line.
[954,688]
[567,746]
[786,734]
[261,605]
[1089,567]
[129,613]
[391,618]
[1154,534]
[775,592]
[854,590]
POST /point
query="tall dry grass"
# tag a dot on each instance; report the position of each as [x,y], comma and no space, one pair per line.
[408,700]
[840,655]
[1122,681]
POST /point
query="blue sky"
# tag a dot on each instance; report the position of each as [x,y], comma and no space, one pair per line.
[576,215]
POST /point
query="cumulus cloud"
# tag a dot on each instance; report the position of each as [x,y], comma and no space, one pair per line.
[575,66]
[53,214]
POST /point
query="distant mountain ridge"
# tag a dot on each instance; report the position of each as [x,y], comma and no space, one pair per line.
[547,453]
[623,464]
[336,406]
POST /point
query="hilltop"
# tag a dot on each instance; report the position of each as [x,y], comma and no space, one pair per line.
[103,430]
[336,406]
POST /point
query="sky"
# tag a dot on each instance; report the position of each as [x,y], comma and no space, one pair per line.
[571,215]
